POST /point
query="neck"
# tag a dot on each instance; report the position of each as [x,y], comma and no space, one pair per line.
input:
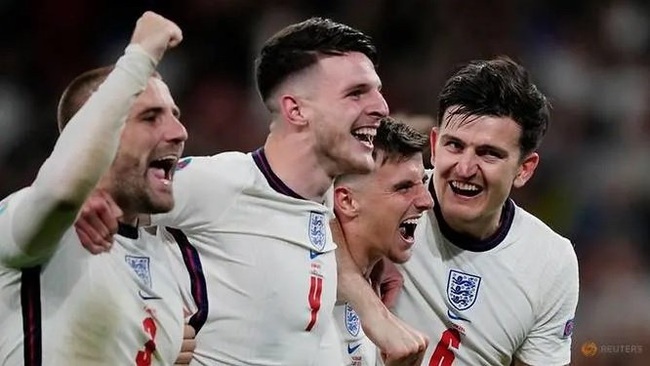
[294,161]
[478,229]
[129,218]
[360,248]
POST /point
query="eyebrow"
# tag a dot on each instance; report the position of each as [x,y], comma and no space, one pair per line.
[363,85]
[158,110]
[446,137]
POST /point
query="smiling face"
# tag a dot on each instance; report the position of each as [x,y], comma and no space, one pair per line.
[384,206]
[477,160]
[343,107]
[152,141]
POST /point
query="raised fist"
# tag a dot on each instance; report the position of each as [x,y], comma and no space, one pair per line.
[155,34]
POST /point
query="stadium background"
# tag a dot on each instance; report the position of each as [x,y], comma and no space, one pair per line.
[592,57]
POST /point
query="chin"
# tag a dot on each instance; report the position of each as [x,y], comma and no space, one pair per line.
[160,205]
[400,258]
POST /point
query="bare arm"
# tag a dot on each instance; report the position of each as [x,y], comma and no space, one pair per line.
[85,149]
[399,343]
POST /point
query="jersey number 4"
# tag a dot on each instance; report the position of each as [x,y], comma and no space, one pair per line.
[143,358]
[443,355]
[314,298]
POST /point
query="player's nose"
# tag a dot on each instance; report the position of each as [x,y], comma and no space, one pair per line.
[175,131]
[378,105]
[423,200]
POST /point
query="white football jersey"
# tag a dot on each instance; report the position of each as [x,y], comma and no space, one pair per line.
[484,302]
[116,308]
[268,268]
[356,348]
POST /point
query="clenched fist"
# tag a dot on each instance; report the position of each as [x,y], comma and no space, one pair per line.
[155,34]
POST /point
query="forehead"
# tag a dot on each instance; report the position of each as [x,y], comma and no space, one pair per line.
[393,171]
[482,130]
[346,70]
[156,93]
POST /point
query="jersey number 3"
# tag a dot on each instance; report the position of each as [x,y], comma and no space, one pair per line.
[314,298]
[443,355]
[143,357]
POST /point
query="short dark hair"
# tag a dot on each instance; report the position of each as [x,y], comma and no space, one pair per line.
[502,88]
[398,140]
[300,45]
[76,94]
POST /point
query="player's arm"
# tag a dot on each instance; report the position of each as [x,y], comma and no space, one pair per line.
[549,341]
[399,343]
[85,149]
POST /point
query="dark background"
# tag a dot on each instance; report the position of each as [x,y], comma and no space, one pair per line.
[590,57]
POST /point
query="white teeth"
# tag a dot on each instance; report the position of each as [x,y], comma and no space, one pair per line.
[168,157]
[465,186]
[366,131]
[410,221]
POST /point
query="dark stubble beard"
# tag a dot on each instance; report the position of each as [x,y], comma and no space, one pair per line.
[132,193]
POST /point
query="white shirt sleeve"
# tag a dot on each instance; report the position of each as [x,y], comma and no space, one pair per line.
[549,342]
[82,154]
[204,188]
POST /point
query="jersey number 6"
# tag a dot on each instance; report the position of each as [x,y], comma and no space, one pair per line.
[443,355]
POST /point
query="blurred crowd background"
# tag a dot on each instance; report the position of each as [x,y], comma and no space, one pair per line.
[591,57]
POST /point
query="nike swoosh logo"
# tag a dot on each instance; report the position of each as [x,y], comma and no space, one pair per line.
[352,349]
[313,254]
[145,296]
[456,317]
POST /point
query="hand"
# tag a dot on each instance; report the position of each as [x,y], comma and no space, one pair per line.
[188,346]
[155,34]
[97,222]
[387,281]
[399,344]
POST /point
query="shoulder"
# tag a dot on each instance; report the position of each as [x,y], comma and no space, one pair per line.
[226,166]
[550,247]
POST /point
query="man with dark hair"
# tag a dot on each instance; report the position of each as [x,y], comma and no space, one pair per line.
[256,223]
[378,213]
[489,283]
[58,304]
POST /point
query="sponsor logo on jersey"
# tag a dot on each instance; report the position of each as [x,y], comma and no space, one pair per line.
[313,254]
[462,289]
[568,328]
[317,230]
[453,316]
[147,296]
[352,349]
[140,266]
[352,323]
[183,163]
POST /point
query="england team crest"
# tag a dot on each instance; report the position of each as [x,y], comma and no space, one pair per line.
[352,323]
[317,230]
[462,289]
[140,266]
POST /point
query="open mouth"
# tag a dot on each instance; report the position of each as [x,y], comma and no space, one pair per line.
[163,168]
[407,229]
[366,135]
[465,189]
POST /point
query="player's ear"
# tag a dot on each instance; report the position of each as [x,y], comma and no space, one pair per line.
[526,170]
[433,139]
[292,110]
[344,203]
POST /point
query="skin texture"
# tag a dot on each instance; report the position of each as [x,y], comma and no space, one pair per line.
[484,153]
[383,199]
[152,131]
[317,111]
